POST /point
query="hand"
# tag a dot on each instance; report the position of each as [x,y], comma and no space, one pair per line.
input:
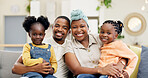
[111,69]
[44,61]
[120,64]
[43,68]
[125,74]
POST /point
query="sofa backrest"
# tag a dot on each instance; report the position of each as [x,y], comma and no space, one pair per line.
[7,60]
[136,50]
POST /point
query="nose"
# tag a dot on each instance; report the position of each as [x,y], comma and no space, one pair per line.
[38,36]
[60,29]
[79,29]
[105,34]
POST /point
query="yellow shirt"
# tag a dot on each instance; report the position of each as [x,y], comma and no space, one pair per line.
[30,62]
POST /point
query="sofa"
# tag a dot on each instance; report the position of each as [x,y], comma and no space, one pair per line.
[8,58]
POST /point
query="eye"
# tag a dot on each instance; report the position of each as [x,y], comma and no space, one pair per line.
[34,34]
[74,27]
[65,28]
[82,26]
[41,34]
[56,25]
[108,33]
[102,32]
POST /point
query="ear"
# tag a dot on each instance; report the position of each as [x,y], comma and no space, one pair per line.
[116,35]
[69,31]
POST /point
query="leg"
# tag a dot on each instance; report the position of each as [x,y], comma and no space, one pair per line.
[103,76]
[49,76]
[87,76]
[32,75]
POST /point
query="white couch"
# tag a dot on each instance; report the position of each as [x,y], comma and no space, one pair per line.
[7,60]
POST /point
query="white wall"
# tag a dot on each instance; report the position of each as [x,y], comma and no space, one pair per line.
[10,8]
[120,9]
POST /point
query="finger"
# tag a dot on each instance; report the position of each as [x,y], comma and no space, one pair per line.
[117,69]
[46,63]
[47,67]
[45,72]
[114,72]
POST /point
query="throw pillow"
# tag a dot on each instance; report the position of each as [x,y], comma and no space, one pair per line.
[143,67]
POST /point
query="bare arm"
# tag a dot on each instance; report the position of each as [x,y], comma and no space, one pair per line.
[76,68]
[20,69]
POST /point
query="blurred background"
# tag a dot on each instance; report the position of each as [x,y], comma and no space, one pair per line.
[133,13]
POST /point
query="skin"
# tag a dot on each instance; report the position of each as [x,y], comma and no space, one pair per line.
[60,30]
[44,67]
[37,34]
[107,33]
[80,32]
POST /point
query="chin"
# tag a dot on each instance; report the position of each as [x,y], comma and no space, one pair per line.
[59,39]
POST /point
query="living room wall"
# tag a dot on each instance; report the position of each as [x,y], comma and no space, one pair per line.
[119,10]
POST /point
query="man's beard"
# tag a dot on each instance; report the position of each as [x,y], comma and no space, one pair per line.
[58,39]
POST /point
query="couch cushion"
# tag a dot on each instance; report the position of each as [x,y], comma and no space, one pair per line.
[6,62]
[143,67]
[136,50]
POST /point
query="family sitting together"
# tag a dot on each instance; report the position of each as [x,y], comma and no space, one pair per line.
[85,56]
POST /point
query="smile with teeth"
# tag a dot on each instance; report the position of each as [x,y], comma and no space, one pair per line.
[79,35]
[59,34]
[104,39]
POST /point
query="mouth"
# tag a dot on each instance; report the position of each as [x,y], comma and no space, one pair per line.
[104,39]
[79,35]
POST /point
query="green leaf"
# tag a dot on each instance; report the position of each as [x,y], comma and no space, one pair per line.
[98,8]
[109,1]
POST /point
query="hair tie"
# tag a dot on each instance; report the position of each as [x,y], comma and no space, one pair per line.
[121,25]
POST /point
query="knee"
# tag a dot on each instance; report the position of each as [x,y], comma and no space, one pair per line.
[32,75]
[86,76]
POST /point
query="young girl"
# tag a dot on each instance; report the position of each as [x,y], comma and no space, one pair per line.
[114,50]
[38,52]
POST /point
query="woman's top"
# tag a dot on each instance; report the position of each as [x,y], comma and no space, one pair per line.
[87,57]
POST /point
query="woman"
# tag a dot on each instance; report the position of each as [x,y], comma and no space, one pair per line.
[82,54]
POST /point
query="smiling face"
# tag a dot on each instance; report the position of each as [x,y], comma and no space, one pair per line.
[60,29]
[79,30]
[107,33]
[37,33]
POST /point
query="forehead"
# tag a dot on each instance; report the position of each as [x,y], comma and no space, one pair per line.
[107,26]
[37,26]
[61,21]
[80,21]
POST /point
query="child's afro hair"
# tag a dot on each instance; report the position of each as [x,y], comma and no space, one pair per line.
[30,20]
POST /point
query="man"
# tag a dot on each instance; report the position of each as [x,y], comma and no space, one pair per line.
[60,28]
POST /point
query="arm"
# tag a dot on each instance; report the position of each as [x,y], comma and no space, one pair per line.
[74,66]
[53,61]
[27,61]
[20,69]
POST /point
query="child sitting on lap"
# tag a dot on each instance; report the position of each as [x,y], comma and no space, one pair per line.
[114,50]
[38,52]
